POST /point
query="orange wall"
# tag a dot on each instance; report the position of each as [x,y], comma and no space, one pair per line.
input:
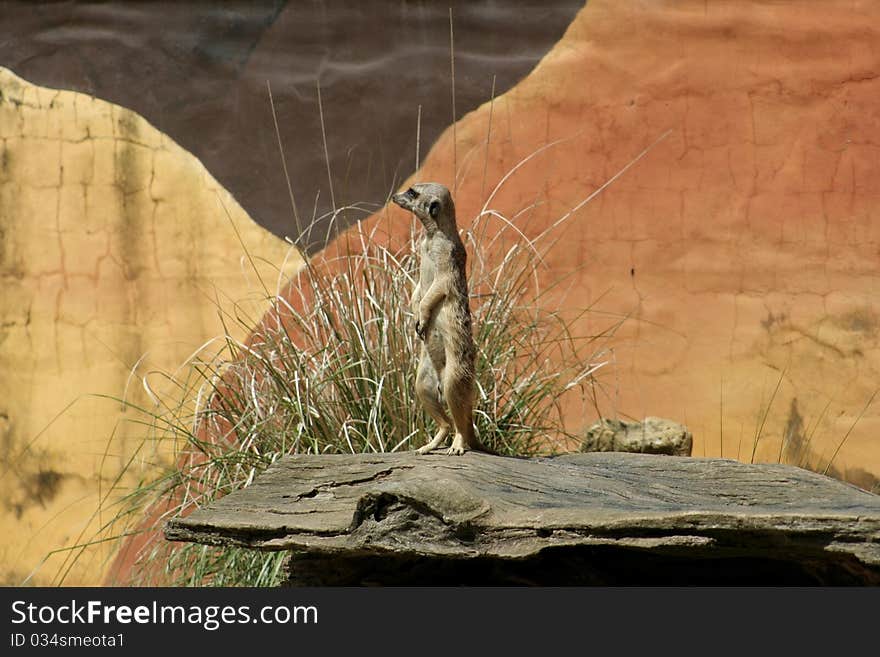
[744,248]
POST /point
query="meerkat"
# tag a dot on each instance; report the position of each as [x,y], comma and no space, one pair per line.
[446,371]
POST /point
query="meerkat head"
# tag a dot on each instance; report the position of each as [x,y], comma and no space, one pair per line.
[431,203]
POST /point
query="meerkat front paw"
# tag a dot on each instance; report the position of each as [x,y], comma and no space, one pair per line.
[421,329]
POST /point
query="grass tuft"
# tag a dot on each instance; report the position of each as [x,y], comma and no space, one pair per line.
[330,369]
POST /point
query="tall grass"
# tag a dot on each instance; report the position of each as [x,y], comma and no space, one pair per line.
[330,369]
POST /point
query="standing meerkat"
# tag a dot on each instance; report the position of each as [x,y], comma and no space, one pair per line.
[446,373]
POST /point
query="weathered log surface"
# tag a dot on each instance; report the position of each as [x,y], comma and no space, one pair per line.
[578,518]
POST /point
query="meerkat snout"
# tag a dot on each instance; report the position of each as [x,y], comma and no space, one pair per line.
[431,203]
[406,199]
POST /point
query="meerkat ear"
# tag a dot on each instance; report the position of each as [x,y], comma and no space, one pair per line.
[434,209]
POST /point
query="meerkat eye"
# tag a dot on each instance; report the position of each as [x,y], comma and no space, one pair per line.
[434,209]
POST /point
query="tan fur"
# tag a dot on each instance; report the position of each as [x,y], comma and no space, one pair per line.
[445,375]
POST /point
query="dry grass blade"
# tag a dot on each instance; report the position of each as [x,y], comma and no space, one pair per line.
[488,141]
[326,151]
[284,161]
[849,431]
[454,115]
[760,429]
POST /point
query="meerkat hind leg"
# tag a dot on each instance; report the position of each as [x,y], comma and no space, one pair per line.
[439,439]
[428,392]
[459,398]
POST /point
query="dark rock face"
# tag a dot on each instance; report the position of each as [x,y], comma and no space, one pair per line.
[198,71]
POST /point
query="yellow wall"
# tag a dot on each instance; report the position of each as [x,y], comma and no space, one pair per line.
[113,248]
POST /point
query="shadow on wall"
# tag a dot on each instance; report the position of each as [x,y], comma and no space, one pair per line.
[198,72]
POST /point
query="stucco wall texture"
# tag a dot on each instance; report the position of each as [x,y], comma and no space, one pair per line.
[743,249]
[116,256]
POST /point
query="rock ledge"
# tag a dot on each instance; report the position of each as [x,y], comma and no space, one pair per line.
[605,518]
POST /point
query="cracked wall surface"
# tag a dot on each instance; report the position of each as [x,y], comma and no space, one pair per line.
[114,251]
[744,249]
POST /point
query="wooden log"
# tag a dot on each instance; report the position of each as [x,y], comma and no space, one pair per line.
[601,518]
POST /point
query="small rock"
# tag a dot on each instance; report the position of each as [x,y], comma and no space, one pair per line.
[653,436]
